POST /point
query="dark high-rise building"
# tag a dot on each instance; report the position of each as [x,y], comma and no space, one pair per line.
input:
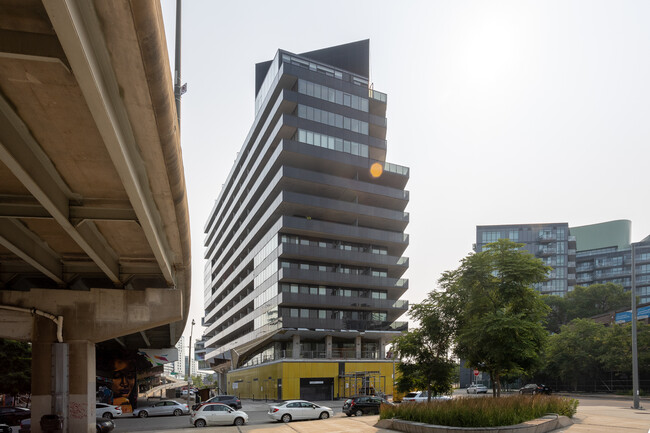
[549,242]
[579,256]
[304,244]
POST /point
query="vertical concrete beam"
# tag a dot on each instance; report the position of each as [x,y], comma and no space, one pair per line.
[81,403]
[382,348]
[357,346]
[295,351]
[328,346]
[43,336]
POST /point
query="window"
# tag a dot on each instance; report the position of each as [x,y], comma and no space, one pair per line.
[489,237]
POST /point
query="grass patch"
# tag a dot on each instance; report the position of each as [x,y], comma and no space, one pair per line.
[481,412]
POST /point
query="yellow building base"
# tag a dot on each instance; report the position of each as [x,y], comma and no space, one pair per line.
[312,379]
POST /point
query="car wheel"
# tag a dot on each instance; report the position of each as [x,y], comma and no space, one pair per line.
[324,415]
[143,414]
[358,412]
[199,423]
[286,418]
[178,412]
[348,414]
[239,421]
[107,415]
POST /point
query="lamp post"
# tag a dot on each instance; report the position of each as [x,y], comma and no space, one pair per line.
[635,358]
[189,366]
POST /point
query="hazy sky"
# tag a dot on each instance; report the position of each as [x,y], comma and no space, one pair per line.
[505,111]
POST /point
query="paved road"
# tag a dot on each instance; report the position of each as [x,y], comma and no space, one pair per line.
[595,415]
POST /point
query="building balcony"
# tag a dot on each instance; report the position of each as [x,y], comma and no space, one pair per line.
[396,266]
[341,324]
[393,307]
[546,238]
[342,280]
[546,252]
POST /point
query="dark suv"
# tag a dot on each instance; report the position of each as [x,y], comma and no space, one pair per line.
[363,404]
[230,400]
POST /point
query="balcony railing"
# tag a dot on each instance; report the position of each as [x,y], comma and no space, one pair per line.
[379,96]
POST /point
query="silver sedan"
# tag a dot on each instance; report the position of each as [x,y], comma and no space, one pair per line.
[164,407]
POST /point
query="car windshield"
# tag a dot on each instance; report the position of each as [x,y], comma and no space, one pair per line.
[349,400]
[411,394]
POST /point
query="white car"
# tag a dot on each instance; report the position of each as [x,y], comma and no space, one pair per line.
[298,409]
[423,396]
[477,388]
[108,411]
[217,414]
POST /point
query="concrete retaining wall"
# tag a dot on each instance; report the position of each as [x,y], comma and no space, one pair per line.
[540,425]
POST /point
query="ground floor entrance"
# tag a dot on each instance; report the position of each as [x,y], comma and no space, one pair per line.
[312,380]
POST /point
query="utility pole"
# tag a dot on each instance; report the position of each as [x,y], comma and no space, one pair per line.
[635,358]
[189,367]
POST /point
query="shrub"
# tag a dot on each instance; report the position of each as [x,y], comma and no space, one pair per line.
[481,412]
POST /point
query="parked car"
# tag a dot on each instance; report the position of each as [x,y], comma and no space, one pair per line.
[361,405]
[533,388]
[477,388]
[104,425]
[4,428]
[217,414]
[230,400]
[163,407]
[25,426]
[422,396]
[12,415]
[298,409]
[108,411]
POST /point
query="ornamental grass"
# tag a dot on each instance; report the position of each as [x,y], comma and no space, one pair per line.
[481,412]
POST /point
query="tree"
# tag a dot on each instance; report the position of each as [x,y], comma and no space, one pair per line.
[575,352]
[15,367]
[585,302]
[424,352]
[498,316]
[596,299]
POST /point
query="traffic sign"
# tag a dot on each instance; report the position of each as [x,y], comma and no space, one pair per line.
[475,372]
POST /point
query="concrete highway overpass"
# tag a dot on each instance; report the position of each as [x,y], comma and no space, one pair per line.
[94,226]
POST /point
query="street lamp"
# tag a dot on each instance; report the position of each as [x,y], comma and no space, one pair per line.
[189,366]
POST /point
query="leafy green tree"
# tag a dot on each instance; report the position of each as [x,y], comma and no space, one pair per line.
[15,367]
[584,302]
[424,352]
[557,315]
[576,351]
[498,316]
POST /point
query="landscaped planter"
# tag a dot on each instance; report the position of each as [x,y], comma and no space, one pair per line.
[540,425]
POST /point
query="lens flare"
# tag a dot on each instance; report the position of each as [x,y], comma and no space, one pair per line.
[376,169]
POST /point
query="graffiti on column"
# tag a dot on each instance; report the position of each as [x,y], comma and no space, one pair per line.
[78,410]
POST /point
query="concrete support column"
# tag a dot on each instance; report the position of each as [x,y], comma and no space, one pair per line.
[295,351]
[81,405]
[43,337]
[63,379]
[357,346]
[328,346]
[382,349]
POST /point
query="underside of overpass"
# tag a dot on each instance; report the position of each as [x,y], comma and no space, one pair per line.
[94,225]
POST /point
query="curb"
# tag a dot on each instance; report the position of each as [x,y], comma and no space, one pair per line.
[540,425]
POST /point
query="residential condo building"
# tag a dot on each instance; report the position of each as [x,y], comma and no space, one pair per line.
[580,256]
[304,244]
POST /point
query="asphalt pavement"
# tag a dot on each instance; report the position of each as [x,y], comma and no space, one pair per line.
[596,414]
